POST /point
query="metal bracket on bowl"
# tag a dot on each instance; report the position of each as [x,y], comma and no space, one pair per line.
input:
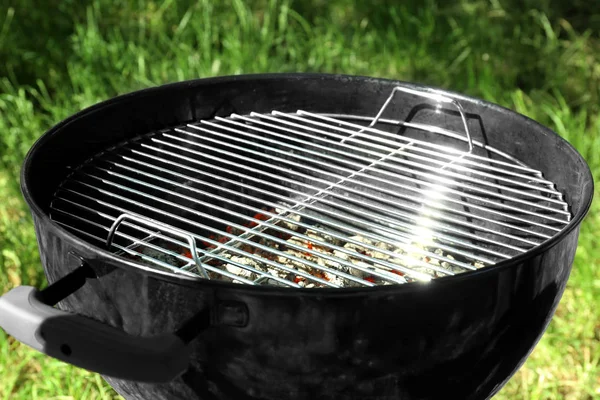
[430,94]
[166,228]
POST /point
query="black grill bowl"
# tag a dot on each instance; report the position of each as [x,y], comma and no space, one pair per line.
[455,337]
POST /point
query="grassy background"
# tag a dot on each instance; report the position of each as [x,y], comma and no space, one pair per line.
[540,58]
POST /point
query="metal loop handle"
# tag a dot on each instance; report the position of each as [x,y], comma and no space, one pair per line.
[155,224]
[430,94]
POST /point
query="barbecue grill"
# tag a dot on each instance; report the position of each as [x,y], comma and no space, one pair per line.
[298,236]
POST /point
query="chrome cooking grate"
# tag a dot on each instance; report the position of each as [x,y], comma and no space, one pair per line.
[311,200]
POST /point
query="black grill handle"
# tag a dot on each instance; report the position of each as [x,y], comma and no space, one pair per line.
[29,316]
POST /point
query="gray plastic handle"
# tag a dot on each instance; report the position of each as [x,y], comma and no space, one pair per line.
[90,344]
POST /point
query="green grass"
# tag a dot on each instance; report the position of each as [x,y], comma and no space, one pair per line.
[540,58]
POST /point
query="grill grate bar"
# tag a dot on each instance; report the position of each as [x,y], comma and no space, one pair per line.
[270,237]
[363,174]
[382,180]
[437,147]
[448,228]
[169,239]
[431,202]
[279,217]
[436,187]
[240,227]
[229,248]
[430,214]
[213,242]
[547,186]
[398,224]
[255,121]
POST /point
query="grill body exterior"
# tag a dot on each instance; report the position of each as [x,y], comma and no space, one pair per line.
[459,337]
